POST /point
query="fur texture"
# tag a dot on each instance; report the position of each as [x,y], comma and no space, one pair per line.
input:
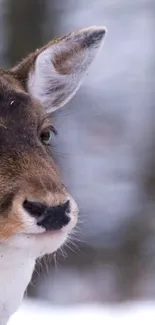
[39,84]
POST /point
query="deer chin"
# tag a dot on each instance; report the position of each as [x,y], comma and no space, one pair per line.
[43,241]
[36,245]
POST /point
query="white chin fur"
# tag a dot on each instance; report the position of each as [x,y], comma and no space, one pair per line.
[39,244]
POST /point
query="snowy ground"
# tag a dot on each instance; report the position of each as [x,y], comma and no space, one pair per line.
[37,313]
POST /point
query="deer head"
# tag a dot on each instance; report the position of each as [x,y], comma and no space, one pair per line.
[36,210]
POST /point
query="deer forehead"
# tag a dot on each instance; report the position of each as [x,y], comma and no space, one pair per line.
[16,105]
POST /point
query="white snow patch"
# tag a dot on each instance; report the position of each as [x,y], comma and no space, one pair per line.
[39,313]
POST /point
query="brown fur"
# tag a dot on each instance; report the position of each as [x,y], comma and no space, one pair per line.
[62,62]
[26,167]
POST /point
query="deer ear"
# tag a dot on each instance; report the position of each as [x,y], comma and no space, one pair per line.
[59,67]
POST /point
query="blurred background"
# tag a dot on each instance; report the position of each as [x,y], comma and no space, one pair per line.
[105,148]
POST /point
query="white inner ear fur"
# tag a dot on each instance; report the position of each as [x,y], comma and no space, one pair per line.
[60,68]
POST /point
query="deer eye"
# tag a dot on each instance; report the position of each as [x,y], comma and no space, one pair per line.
[45,136]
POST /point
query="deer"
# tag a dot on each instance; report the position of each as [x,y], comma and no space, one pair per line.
[37,213]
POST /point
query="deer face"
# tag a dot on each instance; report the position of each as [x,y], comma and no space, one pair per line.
[35,208]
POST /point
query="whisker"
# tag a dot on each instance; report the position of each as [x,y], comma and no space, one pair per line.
[77,248]
[56,264]
[63,253]
[70,248]
[78,240]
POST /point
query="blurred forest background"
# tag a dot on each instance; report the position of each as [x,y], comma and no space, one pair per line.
[105,147]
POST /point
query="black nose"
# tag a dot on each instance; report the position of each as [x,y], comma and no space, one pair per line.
[50,218]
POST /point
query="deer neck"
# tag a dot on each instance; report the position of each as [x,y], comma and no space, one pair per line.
[16,268]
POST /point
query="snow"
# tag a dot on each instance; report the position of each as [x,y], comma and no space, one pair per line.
[39,313]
